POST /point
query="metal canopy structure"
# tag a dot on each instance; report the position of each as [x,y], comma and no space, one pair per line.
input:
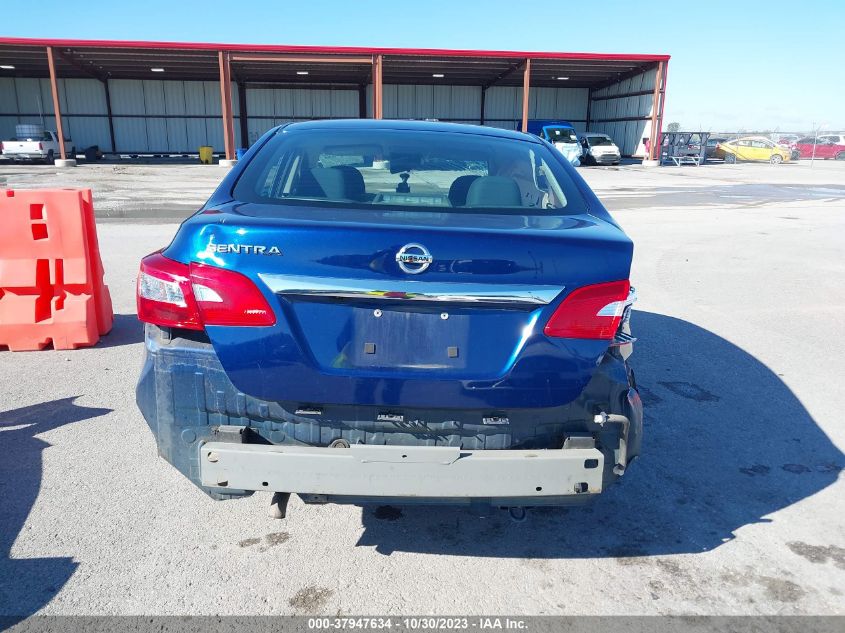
[328,67]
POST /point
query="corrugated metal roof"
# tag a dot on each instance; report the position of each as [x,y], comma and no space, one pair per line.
[189,60]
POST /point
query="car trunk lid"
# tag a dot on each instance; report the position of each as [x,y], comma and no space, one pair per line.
[458,323]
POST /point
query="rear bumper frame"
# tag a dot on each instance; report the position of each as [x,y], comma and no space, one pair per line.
[189,403]
[445,473]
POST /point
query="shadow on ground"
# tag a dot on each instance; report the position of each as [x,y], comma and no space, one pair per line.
[726,444]
[127,329]
[27,584]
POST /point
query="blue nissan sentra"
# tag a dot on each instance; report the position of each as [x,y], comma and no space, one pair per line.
[394,312]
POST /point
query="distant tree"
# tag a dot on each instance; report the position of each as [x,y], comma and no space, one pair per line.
[674,126]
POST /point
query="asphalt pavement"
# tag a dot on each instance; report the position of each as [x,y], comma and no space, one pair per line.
[735,507]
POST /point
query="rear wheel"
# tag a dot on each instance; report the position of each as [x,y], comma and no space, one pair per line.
[50,159]
[776,159]
[840,156]
[730,159]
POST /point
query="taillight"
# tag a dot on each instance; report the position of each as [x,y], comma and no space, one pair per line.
[41,146]
[192,296]
[225,297]
[590,312]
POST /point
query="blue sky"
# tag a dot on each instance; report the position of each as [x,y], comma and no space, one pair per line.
[740,64]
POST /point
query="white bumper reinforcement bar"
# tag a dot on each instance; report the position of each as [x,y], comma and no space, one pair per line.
[402,471]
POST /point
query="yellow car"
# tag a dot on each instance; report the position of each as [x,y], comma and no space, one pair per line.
[754,148]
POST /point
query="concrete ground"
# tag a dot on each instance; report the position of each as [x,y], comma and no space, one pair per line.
[735,507]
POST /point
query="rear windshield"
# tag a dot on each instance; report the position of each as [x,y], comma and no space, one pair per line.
[408,169]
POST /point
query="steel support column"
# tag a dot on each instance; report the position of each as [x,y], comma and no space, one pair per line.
[378,63]
[226,103]
[662,99]
[526,84]
[483,99]
[654,140]
[57,111]
[243,114]
[109,114]
[362,102]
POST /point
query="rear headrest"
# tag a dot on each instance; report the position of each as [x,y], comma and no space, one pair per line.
[353,182]
[332,182]
[458,190]
[494,191]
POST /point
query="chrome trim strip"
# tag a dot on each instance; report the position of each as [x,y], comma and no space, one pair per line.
[399,290]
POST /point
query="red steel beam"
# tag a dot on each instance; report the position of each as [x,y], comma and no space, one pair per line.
[57,111]
[226,104]
[326,50]
[662,98]
[654,143]
[526,85]
[378,97]
[304,59]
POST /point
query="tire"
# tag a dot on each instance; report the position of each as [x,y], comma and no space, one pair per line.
[776,159]
[51,159]
[730,159]
[840,156]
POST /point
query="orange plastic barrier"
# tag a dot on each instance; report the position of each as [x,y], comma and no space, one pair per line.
[51,275]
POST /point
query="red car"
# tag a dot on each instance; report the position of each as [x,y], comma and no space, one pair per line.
[824,148]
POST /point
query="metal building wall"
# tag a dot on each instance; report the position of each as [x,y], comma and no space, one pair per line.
[460,104]
[161,116]
[625,118]
[502,104]
[164,116]
[24,100]
[268,107]
[149,116]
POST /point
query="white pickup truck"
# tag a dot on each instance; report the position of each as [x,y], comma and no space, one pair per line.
[44,148]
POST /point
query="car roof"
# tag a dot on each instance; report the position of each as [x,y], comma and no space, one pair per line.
[410,125]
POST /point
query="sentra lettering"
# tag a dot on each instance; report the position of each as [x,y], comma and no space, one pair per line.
[246,249]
